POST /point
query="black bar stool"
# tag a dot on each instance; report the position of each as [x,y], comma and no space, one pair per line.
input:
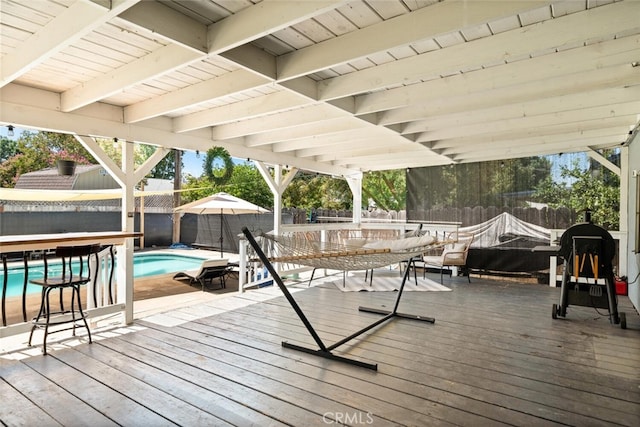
[75,270]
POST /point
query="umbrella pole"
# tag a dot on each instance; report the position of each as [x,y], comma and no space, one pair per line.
[221,238]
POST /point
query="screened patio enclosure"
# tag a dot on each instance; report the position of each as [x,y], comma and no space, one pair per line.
[334,87]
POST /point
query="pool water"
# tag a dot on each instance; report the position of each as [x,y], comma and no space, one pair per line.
[144,265]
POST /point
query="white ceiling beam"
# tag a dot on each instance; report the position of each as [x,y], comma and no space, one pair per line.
[558,104]
[314,145]
[612,77]
[510,150]
[616,122]
[252,59]
[390,155]
[550,69]
[458,145]
[169,24]
[626,110]
[61,32]
[548,145]
[262,19]
[274,122]
[221,36]
[157,63]
[420,24]
[247,109]
[302,131]
[346,152]
[193,95]
[37,108]
[567,30]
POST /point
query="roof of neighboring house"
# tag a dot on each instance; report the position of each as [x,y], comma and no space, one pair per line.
[50,179]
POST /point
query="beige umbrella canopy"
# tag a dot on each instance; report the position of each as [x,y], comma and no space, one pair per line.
[221,203]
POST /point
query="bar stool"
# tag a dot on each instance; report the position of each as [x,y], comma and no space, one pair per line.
[75,270]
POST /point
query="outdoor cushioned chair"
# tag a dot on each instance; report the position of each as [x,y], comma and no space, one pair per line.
[453,255]
[209,270]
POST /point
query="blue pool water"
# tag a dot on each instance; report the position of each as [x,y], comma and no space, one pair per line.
[144,264]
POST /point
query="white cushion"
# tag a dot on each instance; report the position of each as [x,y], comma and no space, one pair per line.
[355,243]
[456,252]
[401,244]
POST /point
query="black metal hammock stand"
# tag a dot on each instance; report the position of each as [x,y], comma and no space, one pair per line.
[324,350]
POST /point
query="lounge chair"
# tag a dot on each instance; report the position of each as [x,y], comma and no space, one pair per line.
[209,270]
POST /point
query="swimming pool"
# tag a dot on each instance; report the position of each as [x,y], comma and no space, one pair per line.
[144,265]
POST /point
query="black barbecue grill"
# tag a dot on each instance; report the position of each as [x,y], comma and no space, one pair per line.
[587,280]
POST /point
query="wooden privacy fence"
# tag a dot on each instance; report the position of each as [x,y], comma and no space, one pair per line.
[560,218]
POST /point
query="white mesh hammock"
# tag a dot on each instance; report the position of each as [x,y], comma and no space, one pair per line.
[354,255]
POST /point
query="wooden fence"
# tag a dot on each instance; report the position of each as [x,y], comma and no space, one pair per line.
[560,218]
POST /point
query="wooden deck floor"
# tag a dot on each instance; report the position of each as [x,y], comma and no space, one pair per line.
[493,357]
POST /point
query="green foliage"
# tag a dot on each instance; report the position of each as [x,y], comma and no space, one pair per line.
[217,175]
[387,189]
[165,169]
[309,191]
[40,150]
[245,182]
[494,183]
[305,191]
[8,148]
[198,187]
[594,188]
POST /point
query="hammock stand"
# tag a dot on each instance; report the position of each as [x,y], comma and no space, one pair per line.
[359,258]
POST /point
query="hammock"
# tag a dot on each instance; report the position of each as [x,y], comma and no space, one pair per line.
[355,254]
[332,256]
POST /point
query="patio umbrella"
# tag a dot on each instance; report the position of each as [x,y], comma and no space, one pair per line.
[220,203]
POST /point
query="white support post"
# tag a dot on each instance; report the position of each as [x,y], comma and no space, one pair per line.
[355,184]
[242,273]
[125,254]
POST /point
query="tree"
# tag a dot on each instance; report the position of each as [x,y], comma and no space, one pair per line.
[313,191]
[304,191]
[388,189]
[164,169]
[8,148]
[41,150]
[593,187]
[496,183]
[247,183]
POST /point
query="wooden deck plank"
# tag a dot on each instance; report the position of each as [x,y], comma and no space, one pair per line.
[297,405]
[279,368]
[493,357]
[333,328]
[499,398]
[153,398]
[116,404]
[17,409]
[407,392]
[47,404]
[542,330]
[164,373]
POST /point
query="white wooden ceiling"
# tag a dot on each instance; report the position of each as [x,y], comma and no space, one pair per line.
[327,85]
